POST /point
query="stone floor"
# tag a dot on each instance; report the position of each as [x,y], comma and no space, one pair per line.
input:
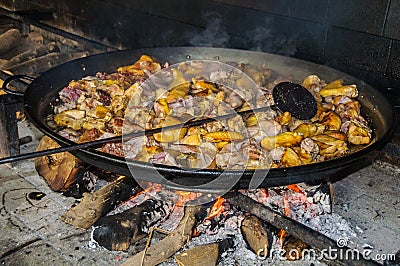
[32,234]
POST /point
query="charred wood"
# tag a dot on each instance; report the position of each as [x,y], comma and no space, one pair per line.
[292,227]
[291,244]
[172,243]
[117,232]
[96,204]
[9,40]
[31,54]
[256,236]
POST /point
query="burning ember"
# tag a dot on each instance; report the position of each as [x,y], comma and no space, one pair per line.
[217,208]
[220,226]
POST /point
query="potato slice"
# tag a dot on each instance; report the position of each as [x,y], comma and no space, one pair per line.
[70,118]
[348,90]
[287,139]
[222,136]
[170,135]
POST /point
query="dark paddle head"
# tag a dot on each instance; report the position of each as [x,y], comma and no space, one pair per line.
[295,99]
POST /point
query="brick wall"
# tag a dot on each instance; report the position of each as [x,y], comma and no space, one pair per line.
[361,37]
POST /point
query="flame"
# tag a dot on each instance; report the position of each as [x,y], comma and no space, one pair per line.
[195,233]
[295,188]
[150,188]
[282,234]
[217,208]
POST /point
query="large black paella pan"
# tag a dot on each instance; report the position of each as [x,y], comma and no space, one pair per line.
[43,91]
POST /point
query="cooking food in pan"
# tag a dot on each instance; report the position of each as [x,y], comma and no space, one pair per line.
[110,104]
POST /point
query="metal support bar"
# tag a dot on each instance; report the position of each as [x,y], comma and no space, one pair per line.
[9,137]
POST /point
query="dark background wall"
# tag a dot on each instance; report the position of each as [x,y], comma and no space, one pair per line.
[361,37]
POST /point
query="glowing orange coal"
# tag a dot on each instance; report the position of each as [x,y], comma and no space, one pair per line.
[150,188]
[264,192]
[185,196]
[217,208]
[295,188]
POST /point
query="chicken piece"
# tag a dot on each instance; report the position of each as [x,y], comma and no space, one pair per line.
[119,103]
[201,85]
[70,118]
[230,158]
[161,107]
[193,140]
[287,139]
[90,135]
[115,90]
[200,161]
[170,135]
[341,100]
[102,111]
[269,127]
[330,146]
[220,145]
[284,119]
[163,158]
[311,82]
[114,148]
[347,90]
[277,153]
[144,63]
[91,123]
[331,120]
[357,134]
[305,157]
[236,124]
[234,100]
[134,93]
[251,121]
[290,158]
[257,76]
[308,130]
[307,145]
[138,115]
[350,110]
[334,84]
[179,87]
[223,136]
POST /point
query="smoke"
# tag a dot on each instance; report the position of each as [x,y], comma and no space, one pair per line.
[269,38]
[214,33]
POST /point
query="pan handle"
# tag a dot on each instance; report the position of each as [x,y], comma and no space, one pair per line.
[20,78]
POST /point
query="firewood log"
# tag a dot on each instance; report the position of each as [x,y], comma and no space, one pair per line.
[43,63]
[206,255]
[257,238]
[118,231]
[96,204]
[58,170]
[31,54]
[313,238]
[9,40]
[293,247]
[172,243]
